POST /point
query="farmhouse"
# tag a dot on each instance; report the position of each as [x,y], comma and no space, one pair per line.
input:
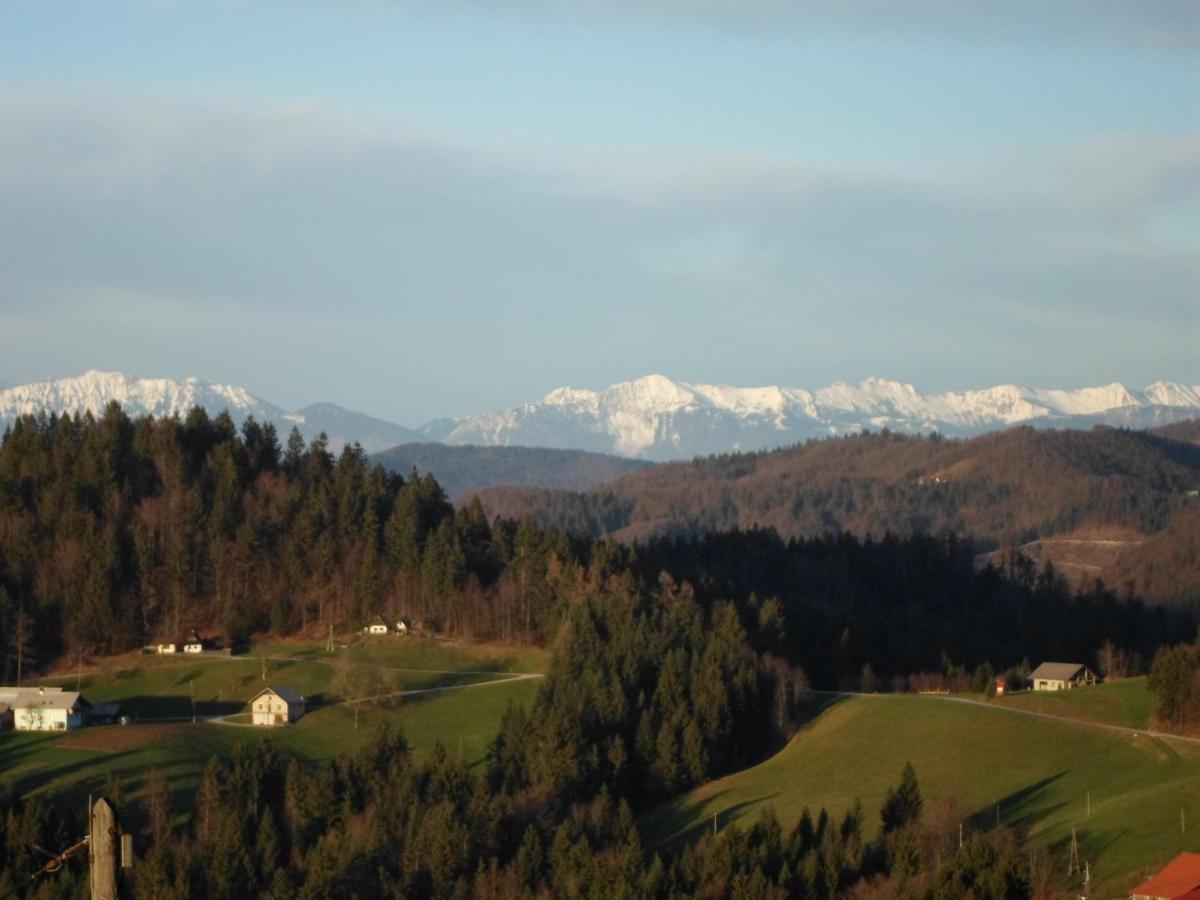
[193,644]
[276,706]
[1180,879]
[1053,676]
[376,626]
[46,709]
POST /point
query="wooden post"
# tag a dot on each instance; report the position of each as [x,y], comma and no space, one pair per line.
[103,842]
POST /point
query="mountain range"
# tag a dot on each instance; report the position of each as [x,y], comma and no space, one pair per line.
[653,418]
[94,390]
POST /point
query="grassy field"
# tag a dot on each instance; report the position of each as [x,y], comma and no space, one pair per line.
[1128,702]
[67,767]
[1039,772]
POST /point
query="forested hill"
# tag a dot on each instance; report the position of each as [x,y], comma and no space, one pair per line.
[464,469]
[1097,501]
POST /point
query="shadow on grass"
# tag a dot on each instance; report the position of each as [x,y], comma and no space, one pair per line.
[718,819]
[149,707]
[1023,808]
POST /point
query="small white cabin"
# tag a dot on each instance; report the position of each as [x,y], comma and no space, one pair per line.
[402,627]
[48,710]
[193,644]
[376,626]
[165,647]
[276,706]
[1053,676]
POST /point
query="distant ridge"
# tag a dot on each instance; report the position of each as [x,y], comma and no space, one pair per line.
[464,469]
[1112,503]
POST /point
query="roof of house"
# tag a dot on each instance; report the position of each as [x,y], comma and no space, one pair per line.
[1054,671]
[34,699]
[1180,878]
[285,693]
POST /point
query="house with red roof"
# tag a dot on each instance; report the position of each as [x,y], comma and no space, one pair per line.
[1180,880]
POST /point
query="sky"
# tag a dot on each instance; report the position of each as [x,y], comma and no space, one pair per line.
[422,209]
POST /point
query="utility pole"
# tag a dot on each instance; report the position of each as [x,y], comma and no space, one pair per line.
[103,839]
[960,836]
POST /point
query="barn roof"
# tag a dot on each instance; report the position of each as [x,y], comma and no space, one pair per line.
[1056,671]
[286,693]
[1180,878]
[34,699]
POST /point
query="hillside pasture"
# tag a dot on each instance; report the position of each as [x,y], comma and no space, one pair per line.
[459,705]
[1128,702]
[1033,774]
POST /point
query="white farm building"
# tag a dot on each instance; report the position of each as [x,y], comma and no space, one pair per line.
[276,706]
[1054,676]
[44,708]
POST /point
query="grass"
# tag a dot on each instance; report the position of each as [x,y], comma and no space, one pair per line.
[1128,702]
[68,767]
[1039,772]
[418,653]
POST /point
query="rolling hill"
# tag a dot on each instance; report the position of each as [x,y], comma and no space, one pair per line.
[1099,502]
[1034,774]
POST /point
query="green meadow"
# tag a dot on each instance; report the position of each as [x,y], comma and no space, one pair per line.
[1034,774]
[157,693]
[1128,702]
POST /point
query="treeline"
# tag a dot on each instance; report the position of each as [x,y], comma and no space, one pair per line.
[1175,681]
[376,824]
[909,606]
[114,532]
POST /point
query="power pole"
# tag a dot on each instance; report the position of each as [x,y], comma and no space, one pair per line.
[103,840]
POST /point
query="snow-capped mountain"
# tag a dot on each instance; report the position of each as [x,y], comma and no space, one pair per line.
[652,418]
[657,418]
[94,390]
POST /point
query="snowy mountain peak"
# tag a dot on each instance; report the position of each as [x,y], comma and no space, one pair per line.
[94,390]
[659,418]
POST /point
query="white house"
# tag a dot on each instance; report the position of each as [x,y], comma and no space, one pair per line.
[165,647]
[402,627]
[1052,676]
[276,706]
[376,626]
[193,644]
[46,709]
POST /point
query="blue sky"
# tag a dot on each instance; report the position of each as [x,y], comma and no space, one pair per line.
[421,209]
